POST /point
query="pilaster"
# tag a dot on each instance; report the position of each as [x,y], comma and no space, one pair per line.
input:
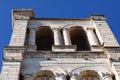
[32,36]
[103,31]
[19,33]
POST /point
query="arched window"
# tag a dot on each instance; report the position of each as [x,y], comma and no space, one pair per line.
[88,75]
[44,38]
[79,38]
[44,75]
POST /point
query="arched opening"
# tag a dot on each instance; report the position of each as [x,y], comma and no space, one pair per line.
[79,38]
[44,75]
[88,75]
[44,38]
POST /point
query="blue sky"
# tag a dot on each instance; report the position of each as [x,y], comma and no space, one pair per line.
[59,9]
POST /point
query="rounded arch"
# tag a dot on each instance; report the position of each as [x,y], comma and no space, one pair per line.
[95,72]
[78,37]
[89,75]
[44,38]
[44,75]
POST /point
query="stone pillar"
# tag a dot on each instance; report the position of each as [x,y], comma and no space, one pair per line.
[74,77]
[28,77]
[57,36]
[32,36]
[66,36]
[60,77]
[91,37]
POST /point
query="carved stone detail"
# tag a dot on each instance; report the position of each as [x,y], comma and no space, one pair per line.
[28,77]
[60,76]
[74,77]
[107,76]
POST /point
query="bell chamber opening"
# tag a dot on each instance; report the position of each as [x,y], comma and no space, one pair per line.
[79,38]
[44,38]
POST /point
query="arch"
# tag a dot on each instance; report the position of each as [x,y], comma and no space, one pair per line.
[89,75]
[44,75]
[78,37]
[96,72]
[44,38]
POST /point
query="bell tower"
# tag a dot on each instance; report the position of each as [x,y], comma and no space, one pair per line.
[60,49]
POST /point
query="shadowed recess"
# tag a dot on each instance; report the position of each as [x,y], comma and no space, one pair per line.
[44,38]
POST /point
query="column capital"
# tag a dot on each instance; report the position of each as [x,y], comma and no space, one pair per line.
[60,76]
[56,29]
[32,28]
[90,29]
[74,77]
[107,76]
[65,28]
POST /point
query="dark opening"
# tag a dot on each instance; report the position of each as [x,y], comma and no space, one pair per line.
[79,38]
[89,75]
[44,38]
[44,75]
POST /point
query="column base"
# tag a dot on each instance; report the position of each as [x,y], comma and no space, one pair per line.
[63,48]
[31,48]
[96,48]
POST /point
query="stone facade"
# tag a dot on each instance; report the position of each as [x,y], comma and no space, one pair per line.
[60,49]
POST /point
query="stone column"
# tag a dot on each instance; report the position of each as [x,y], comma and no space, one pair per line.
[32,36]
[28,77]
[91,37]
[74,77]
[60,77]
[57,36]
[66,36]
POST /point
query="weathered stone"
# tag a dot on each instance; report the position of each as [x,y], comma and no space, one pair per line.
[63,60]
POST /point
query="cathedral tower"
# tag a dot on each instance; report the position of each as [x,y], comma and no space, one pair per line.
[60,49]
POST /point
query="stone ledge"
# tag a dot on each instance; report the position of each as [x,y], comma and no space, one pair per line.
[13,53]
[14,47]
[78,54]
[64,48]
[11,63]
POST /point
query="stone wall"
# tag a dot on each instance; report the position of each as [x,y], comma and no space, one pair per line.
[10,71]
[19,33]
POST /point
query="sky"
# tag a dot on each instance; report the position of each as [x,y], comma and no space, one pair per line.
[59,9]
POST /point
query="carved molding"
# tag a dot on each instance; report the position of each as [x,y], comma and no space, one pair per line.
[60,76]
[74,77]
